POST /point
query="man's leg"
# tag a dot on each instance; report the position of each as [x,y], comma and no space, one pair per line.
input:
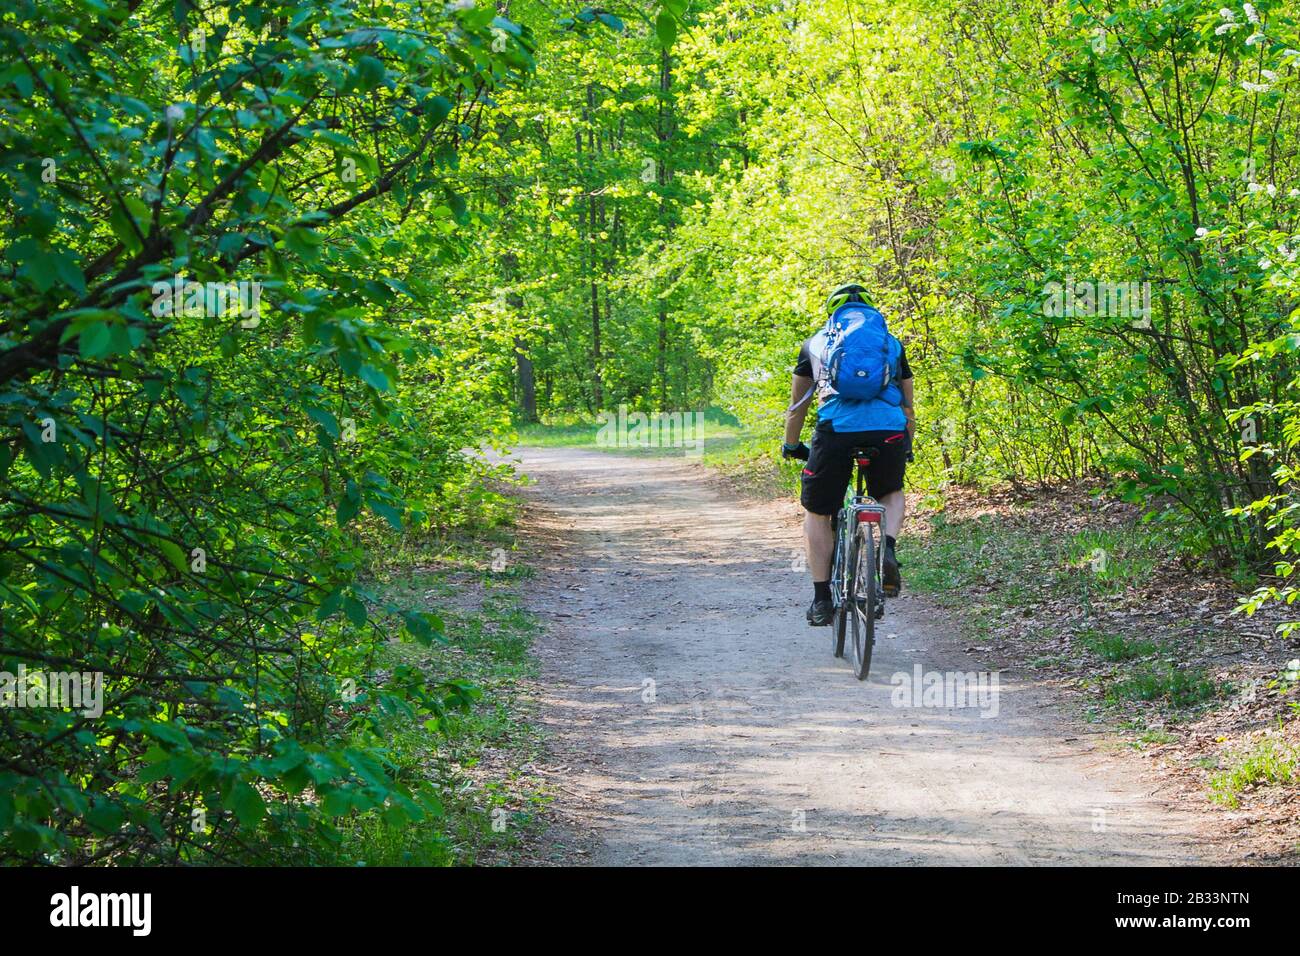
[891,578]
[824,480]
[895,508]
[821,544]
[885,484]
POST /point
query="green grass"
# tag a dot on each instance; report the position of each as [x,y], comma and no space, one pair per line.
[1017,561]
[1115,647]
[1152,682]
[574,434]
[487,810]
[1141,734]
[1269,762]
[983,553]
[720,434]
[751,462]
[990,565]
[1114,559]
[1155,737]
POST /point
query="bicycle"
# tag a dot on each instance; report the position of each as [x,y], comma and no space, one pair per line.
[856,590]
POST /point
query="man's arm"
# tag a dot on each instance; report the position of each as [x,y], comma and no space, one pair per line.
[800,401]
[905,386]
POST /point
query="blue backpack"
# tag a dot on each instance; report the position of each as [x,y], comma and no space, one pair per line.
[861,356]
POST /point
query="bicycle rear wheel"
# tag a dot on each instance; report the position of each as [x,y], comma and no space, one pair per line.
[861,599]
[839,572]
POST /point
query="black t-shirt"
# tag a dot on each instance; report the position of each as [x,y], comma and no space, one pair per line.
[804,366]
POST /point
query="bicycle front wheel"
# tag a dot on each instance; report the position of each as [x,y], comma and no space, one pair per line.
[861,599]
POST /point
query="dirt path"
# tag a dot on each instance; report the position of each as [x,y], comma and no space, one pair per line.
[697,719]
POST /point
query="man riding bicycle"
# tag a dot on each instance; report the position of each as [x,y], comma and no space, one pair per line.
[885,421]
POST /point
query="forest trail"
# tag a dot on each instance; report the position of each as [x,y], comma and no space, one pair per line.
[757,746]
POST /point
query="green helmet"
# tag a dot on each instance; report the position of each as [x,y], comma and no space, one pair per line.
[853,292]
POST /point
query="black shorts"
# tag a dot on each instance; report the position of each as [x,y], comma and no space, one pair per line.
[830,466]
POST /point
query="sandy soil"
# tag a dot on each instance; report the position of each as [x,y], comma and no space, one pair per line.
[697,719]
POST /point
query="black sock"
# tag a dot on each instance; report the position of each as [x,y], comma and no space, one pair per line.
[821,590]
[889,542]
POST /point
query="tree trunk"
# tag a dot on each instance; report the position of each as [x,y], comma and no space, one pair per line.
[527,382]
[663,132]
[525,378]
[588,115]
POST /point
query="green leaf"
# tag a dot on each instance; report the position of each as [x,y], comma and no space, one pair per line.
[368,73]
[439,109]
[94,341]
[325,419]
[666,28]
[374,378]
[390,514]
[172,552]
[355,611]
[230,243]
[247,804]
[121,223]
[613,22]
[349,505]
[336,802]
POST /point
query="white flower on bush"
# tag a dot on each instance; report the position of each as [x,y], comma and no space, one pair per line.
[1294,194]
[1268,75]
[1251,13]
[1250,87]
[1228,14]
[1223,28]
[1266,263]
[1253,187]
[1202,232]
[1255,38]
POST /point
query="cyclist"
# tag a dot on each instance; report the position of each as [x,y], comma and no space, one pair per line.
[886,422]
